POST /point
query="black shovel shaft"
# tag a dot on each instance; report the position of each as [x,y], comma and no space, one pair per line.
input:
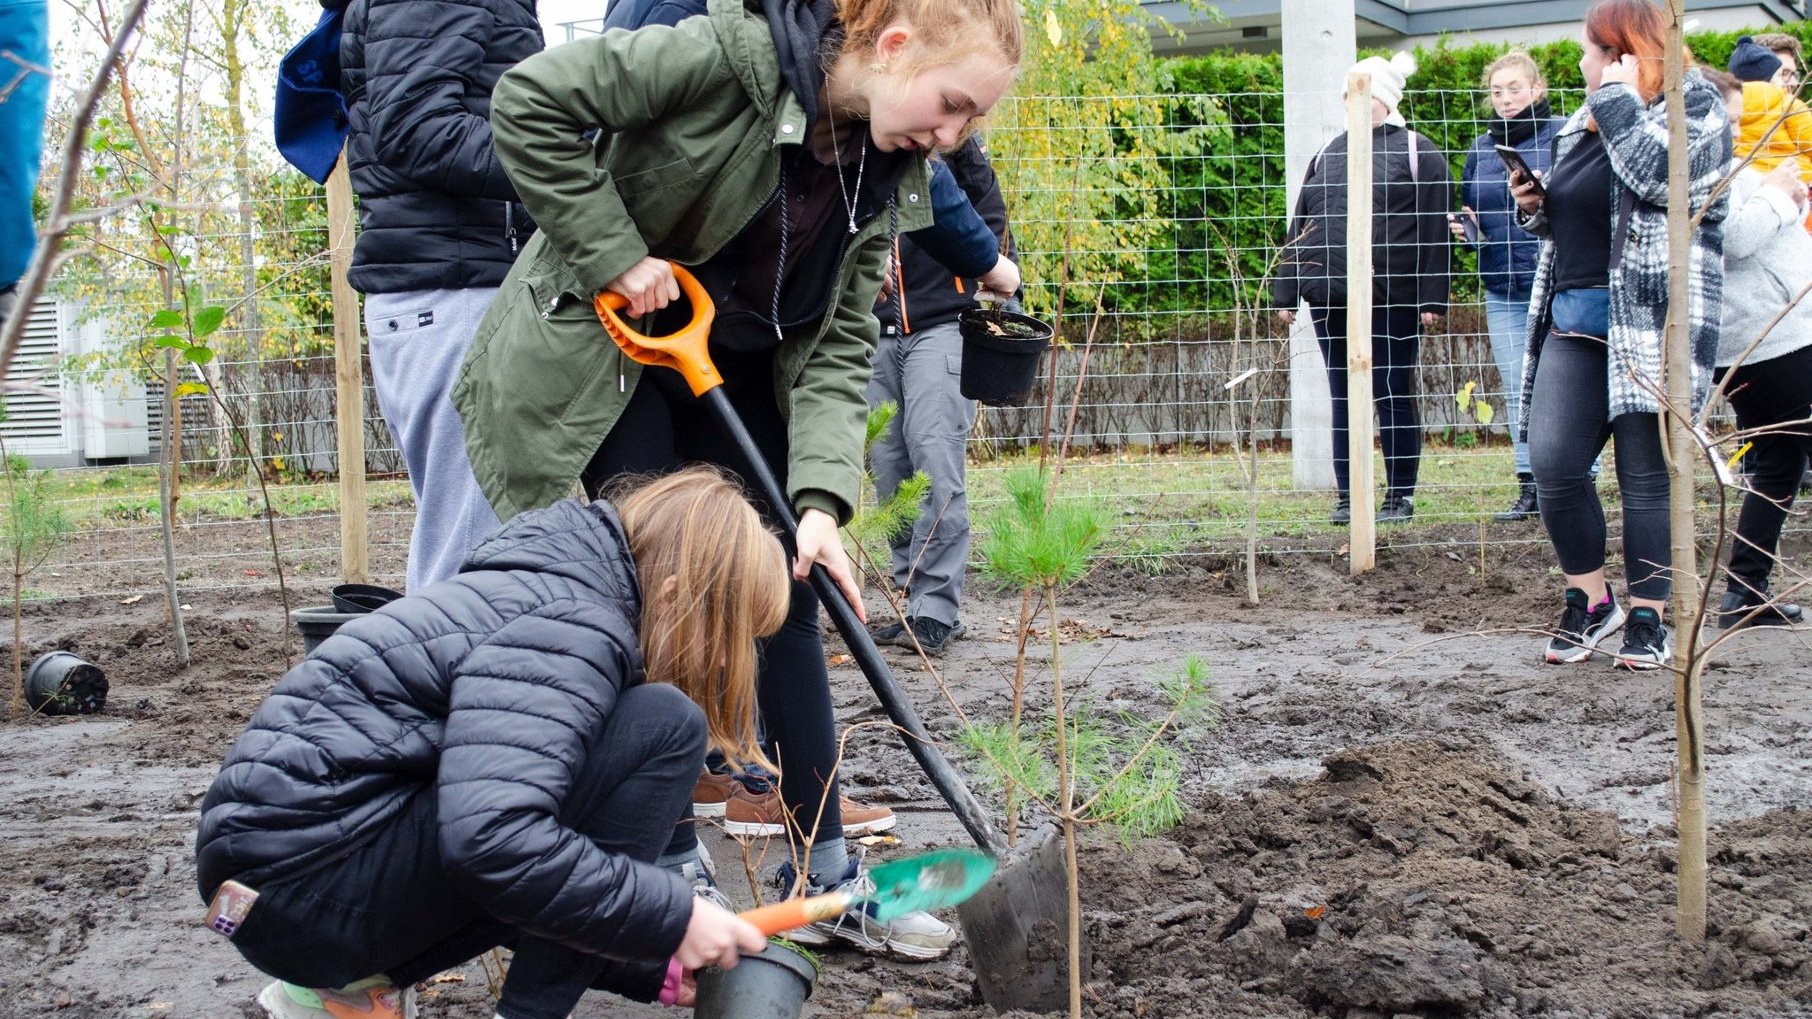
[862,646]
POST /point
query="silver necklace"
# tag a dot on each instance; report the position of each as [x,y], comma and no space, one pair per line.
[849,203]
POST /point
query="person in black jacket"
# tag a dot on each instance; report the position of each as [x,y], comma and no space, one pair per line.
[499,760]
[1411,196]
[918,367]
[439,227]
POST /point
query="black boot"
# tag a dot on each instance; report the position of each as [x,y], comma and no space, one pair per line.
[1526,506]
[1343,512]
[1736,609]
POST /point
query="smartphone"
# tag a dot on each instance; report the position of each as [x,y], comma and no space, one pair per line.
[1514,160]
[229,908]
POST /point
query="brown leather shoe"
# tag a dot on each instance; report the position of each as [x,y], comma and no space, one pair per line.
[710,793]
[864,820]
[747,813]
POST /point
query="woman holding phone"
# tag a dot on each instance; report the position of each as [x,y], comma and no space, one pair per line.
[1600,296]
[1521,123]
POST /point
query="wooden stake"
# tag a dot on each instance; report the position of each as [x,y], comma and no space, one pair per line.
[1362,531]
[1676,373]
[349,380]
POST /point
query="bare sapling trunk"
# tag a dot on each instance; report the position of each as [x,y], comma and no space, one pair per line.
[166,486]
[1678,439]
[1066,809]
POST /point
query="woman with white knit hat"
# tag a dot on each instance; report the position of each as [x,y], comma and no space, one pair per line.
[1411,263]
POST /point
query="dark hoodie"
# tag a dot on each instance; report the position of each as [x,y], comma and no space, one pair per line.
[486,691]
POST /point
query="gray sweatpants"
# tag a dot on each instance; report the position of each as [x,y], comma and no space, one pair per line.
[920,372]
[418,339]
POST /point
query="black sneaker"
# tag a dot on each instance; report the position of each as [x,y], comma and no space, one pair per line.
[1734,611]
[1647,642]
[1397,509]
[1343,512]
[893,633]
[1582,628]
[1526,506]
[933,637]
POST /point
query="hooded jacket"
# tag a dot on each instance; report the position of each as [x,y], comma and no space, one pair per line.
[1411,246]
[436,210]
[692,124]
[961,237]
[486,691]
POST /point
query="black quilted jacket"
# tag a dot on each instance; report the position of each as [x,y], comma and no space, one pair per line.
[436,211]
[486,691]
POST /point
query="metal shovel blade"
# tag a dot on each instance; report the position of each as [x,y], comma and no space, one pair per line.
[934,880]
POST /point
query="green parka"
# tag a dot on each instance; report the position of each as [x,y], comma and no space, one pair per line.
[691,124]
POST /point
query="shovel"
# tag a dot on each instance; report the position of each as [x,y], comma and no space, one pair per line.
[685,352]
[1013,928]
[934,880]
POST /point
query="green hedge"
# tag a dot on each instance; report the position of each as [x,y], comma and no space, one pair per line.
[1233,194]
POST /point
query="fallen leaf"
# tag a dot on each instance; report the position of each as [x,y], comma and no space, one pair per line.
[251,573]
[1343,549]
[839,660]
[878,840]
[1315,912]
[448,978]
[187,608]
[134,600]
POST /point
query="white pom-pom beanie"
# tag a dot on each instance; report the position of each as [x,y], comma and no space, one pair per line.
[1388,76]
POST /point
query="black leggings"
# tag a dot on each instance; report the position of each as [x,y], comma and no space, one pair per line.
[389,905]
[1567,430]
[1396,348]
[1771,393]
[664,427]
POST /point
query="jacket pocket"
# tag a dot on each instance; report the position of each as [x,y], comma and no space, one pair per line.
[655,178]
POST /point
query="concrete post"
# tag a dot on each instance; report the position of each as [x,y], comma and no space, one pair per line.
[1318,47]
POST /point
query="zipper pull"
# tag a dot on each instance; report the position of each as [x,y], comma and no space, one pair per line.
[509,225]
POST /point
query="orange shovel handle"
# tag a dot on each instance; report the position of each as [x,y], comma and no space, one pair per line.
[684,351]
[791,913]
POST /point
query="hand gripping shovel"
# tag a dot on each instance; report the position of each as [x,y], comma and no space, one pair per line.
[1013,925]
[934,880]
[685,352]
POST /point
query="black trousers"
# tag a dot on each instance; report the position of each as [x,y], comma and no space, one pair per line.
[665,427]
[1770,393]
[1568,428]
[1396,350]
[388,905]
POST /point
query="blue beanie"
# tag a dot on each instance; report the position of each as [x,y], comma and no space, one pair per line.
[1750,62]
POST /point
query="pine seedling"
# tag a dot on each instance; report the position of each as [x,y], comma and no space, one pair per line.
[33,528]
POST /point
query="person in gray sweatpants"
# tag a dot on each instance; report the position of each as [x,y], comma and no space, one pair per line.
[439,227]
[917,365]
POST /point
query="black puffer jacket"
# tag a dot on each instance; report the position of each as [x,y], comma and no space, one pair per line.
[436,211]
[486,691]
[1411,260]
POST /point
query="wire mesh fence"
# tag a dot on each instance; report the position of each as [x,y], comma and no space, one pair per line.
[1151,227]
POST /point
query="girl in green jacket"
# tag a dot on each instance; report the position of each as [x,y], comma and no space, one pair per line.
[775,147]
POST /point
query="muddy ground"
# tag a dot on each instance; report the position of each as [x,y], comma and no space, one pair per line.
[1395,816]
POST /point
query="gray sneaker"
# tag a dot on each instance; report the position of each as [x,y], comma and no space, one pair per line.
[917,936]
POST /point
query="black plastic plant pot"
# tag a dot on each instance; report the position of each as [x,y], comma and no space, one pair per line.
[362,597]
[1000,355]
[319,623]
[772,985]
[62,684]
[1017,928]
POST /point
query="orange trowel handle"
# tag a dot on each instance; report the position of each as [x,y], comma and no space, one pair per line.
[684,351]
[791,913]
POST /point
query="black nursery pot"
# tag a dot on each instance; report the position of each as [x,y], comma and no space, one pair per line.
[1000,355]
[319,623]
[62,684]
[772,985]
[362,597]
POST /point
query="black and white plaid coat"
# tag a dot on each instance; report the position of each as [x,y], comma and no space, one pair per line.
[1635,137]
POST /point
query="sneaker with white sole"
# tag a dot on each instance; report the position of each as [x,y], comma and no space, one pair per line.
[1648,643]
[1582,628]
[379,1000]
[917,936]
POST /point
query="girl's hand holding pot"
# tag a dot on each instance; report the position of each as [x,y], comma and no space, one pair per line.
[716,937]
[649,285]
[819,543]
[1002,280]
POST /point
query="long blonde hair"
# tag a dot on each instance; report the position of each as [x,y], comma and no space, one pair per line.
[713,581]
